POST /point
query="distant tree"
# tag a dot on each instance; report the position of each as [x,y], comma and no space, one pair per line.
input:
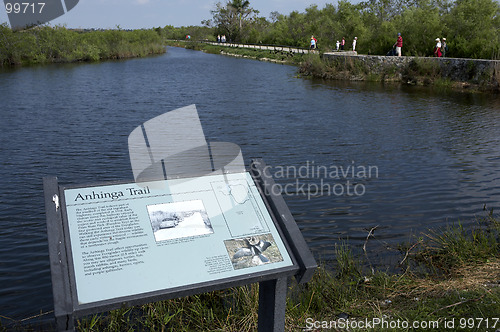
[419,26]
[472,28]
[224,20]
[274,16]
[257,31]
[230,18]
[240,7]
[349,17]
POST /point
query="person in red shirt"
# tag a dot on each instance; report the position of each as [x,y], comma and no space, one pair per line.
[398,44]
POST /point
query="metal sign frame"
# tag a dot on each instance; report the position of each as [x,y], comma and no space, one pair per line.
[273,282]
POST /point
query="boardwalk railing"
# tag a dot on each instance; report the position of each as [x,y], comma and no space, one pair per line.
[274,48]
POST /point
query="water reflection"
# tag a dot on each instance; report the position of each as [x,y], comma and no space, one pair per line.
[438,154]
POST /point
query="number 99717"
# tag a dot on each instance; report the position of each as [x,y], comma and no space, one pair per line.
[24,7]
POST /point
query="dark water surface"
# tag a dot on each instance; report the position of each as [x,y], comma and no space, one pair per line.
[436,155]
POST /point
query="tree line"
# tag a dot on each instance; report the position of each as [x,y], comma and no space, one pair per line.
[46,44]
[472,27]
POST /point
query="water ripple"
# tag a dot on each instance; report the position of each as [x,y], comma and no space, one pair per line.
[437,155]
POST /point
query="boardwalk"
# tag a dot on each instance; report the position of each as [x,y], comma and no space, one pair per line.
[274,48]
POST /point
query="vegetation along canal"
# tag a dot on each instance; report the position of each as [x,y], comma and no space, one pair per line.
[347,156]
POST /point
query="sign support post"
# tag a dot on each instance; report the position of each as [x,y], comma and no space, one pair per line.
[272,305]
[58,256]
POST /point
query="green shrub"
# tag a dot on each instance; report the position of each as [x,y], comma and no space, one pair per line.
[46,44]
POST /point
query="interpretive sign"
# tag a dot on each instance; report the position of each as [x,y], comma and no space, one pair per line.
[169,234]
[132,243]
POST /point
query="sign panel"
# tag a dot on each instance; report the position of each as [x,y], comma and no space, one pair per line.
[130,239]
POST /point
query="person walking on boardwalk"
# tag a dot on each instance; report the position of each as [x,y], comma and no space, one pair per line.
[354,44]
[398,44]
[444,47]
[314,41]
[342,44]
[338,45]
[437,48]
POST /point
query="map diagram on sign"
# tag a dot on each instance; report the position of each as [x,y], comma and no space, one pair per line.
[237,202]
[239,193]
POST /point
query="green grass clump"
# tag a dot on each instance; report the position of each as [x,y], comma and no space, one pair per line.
[233,309]
[457,246]
[338,68]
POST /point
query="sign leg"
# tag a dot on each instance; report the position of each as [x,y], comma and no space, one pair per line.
[63,308]
[65,323]
[272,305]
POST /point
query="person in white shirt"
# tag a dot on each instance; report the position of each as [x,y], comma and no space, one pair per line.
[437,49]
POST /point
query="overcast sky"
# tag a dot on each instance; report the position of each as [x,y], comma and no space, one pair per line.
[135,14]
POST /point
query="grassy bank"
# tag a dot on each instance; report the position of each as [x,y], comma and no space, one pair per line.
[418,71]
[446,276]
[45,44]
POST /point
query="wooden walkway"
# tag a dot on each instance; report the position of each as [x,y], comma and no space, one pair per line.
[274,48]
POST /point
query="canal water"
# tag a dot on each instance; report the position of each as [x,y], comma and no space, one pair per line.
[348,157]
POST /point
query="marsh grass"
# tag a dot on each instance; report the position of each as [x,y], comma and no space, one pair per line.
[456,246]
[46,44]
[445,274]
[345,68]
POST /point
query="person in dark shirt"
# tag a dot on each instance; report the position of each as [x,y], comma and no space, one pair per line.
[444,47]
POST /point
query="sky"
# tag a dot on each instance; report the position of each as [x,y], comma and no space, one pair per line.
[137,14]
